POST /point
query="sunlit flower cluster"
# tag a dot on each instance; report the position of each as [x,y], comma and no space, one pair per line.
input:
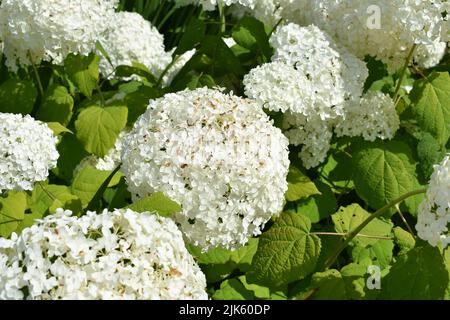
[217,155]
[37,30]
[109,255]
[27,151]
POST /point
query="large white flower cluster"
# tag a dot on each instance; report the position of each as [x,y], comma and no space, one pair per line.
[27,151]
[312,79]
[36,30]
[372,117]
[217,155]
[434,212]
[111,255]
[322,75]
[402,23]
[130,39]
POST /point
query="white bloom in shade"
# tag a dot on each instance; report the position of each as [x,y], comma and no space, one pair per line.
[217,155]
[312,134]
[433,218]
[374,116]
[400,25]
[266,11]
[428,56]
[111,255]
[27,151]
[130,39]
[36,30]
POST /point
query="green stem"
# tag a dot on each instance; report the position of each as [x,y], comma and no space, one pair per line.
[377,214]
[403,74]
[48,193]
[166,70]
[38,78]
[99,90]
[166,17]
[223,23]
[346,234]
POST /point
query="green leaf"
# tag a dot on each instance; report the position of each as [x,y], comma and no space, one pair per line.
[258,291]
[349,218]
[336,174]
[286,252]
[430,105]
[71,154]
[83,71]
[58,128]
[418,274]
[383,171]
[403,239]
[233,289]
[250,34]
[136,69]
[328,285]
[222,60]
[87,182]
[319,207]
[98,128]
[157,202]
[17,96]
[193,35]
[28,221]
[53,197]
[378,253]
[12,212]
[57,106]
[299,185]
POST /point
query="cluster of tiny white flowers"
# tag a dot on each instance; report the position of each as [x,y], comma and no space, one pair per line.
[403,24]
[217,155]
[312,133]
[434,212]
[312,79]
[36,30]
[133,39]
[27,151]
[320,75]
[372,117]
[111,255]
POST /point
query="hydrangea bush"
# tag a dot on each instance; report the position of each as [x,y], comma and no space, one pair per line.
[224,149]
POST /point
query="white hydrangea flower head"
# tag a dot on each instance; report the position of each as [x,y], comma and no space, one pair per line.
[28,151]
[403,24]
[278,86]
[130,39]
[111,255]
[219,156]
[433,219]
[373,117]
[312,134]
[266,11]
[428,56]
[335,74]
[36,30]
